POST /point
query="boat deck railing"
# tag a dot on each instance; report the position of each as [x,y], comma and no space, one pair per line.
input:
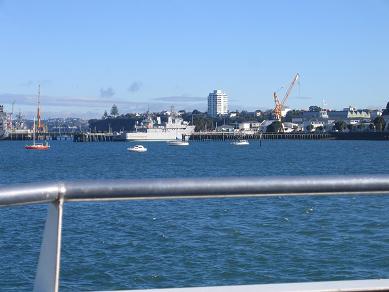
[58,193]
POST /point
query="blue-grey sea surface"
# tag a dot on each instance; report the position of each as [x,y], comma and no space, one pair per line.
[182,243]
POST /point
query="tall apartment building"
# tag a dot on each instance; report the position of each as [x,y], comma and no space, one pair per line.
[217,103]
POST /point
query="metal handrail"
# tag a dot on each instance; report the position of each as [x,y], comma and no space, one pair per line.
[47,276]
[25,194]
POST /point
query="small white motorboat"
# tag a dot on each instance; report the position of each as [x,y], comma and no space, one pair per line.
[240,142]
[137,148]
[178,143]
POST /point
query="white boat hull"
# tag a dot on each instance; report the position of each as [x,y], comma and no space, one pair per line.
[137,148]
[240,143]
[178,143]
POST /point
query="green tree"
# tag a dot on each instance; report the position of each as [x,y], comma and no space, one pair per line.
[274,127]
[105,115]
[202,123]
[114,111]
[293,114]
[340,126]
[351,127]
[386,110]
[309,128]
[379,123]
[314,108]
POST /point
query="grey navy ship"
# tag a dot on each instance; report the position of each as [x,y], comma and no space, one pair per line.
[174,129]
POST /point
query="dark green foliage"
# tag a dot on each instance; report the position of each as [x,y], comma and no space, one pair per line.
[340,126]
[293,114]
[314,108]
[351,127]
[309,128]
[379,123]
[114,111]
[274,127]
[203,123]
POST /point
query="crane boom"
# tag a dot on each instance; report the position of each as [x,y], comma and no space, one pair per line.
[279,105]
[296,77]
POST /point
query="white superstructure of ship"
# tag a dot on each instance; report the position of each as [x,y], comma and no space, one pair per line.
[4,127]
[174,129]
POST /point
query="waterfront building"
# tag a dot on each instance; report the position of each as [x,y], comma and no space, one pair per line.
[284,111]
[349,114]
[311,126]
[233,114]
[255,125]
[320,115]
[244,126]
[298,120]
[374,114]
[264,125]
[225,128]
[217,103]
[291,127]
[363,127]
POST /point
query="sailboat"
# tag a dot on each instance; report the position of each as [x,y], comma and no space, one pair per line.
[37,146]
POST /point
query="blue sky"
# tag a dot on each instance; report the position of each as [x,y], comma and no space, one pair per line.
[88,55]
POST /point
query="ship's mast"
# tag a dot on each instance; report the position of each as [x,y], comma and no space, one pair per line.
[11,116]
[33,133]
[38,115]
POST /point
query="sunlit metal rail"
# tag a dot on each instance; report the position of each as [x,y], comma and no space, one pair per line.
[47,276]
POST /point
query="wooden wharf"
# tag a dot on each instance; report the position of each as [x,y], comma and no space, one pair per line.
[39,136]
[221,136]
[75,136]
[207,136]
[92,137]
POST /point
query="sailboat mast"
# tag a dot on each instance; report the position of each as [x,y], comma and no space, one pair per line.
[38,115]
[33,132]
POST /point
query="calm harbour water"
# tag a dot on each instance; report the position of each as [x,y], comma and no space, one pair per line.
[179,243]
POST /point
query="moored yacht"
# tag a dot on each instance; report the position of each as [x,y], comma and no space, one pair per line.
[137,148]
[37,146]
[39,125]
[178,143]
[240,142]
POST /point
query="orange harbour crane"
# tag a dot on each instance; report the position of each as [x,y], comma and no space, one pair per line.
[279,105]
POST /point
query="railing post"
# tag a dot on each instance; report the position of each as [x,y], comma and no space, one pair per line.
[47,275]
